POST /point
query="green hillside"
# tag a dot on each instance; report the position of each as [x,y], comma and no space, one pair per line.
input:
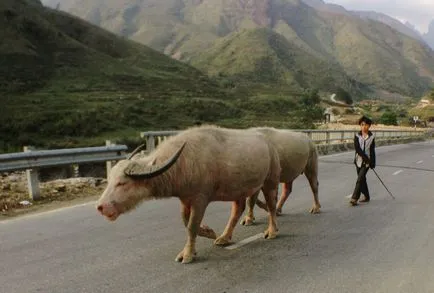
[65,81]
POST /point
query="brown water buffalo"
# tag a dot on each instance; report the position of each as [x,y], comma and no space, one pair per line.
[297,155]
[198,166]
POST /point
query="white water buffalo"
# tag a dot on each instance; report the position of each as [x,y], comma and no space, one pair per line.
[297,155]
[198,166]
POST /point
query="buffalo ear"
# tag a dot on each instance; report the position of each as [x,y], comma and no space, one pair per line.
[137,150]
[133,167]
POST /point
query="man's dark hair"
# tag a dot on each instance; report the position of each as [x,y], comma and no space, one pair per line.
[365,119]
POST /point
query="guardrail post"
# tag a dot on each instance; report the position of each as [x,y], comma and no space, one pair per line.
[327,137]
[108,164]
[32,179]
[150,143]
[76,170]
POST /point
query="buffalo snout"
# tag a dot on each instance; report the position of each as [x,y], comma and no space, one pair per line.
[108,210]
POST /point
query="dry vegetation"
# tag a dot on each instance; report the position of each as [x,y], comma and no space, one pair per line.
[15,200]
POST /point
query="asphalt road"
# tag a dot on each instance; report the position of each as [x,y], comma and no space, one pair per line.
[384,246]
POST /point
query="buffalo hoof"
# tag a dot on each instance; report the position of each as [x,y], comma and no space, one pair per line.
[222,241]
[278,212]
[207,232]
[270,234]
[315,209]
[247,221]
[184,257]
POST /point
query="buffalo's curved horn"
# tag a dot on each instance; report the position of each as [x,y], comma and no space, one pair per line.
[147,171]
[138,149]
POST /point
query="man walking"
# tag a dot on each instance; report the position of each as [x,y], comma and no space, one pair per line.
[364,145]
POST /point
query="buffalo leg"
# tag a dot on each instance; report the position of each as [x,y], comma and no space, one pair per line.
[286,191]
[236,211]
[312,177]
[250,218]
[270,194]
[204,230]
[261,204]
[197,211]
[311,174]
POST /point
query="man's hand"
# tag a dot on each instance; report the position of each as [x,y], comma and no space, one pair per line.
[368,162]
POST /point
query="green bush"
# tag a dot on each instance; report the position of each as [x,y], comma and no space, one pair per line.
[389,118]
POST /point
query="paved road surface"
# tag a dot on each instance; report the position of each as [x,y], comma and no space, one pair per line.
[384,246]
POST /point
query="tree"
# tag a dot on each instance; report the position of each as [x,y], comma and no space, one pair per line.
[344,96]
[310,111]
[389,118]
[311,98]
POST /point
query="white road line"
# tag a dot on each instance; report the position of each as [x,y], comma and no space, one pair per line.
[37,214]
[419,162]
[245,241]
[397,172]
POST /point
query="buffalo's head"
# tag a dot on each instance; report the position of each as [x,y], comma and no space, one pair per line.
[128,183]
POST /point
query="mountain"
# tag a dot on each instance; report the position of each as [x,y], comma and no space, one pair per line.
[63,48]
[328,7]
[405,29]
[369,51]
[267,59]
[429,36]
[62,78]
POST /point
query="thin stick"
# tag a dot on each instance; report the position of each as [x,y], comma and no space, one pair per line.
[383,184]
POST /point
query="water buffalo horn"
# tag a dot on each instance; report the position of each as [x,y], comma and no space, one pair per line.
[147,171]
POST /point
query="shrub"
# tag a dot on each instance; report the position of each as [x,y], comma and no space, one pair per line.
[389,118]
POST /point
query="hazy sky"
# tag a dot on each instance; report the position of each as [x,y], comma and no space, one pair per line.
[417,12]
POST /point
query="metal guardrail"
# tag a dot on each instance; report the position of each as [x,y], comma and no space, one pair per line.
[31,160]
[50,158]
[153,138]
[340,136]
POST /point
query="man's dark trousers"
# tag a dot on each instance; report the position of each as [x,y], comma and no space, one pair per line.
[361,184]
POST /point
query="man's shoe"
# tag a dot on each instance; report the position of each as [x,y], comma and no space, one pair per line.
[365,200]
[353,202]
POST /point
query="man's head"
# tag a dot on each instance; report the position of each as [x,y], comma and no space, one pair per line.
[365,123]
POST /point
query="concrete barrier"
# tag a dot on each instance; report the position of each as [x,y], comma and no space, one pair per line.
[327,149]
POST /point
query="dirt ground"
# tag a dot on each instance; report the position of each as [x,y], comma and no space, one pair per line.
[15,199]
